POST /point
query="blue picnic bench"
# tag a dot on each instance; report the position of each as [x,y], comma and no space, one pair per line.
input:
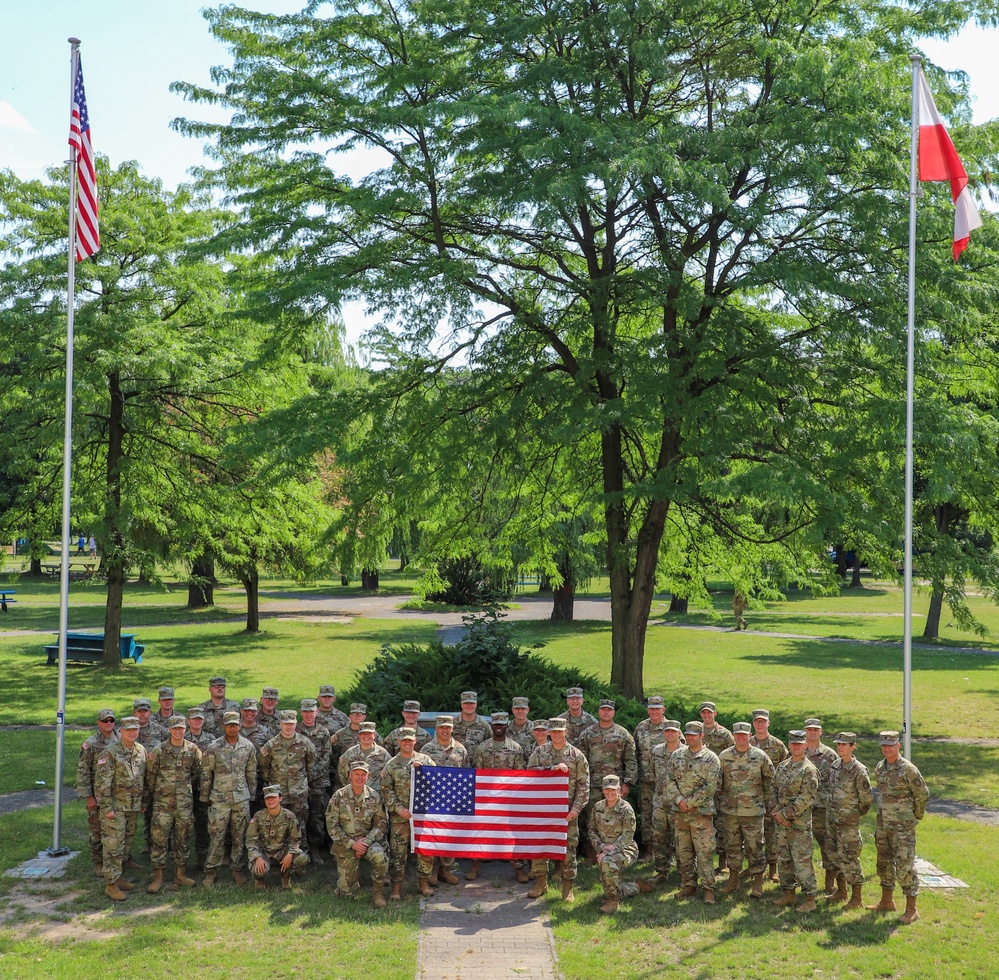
[5,597]
[89,648]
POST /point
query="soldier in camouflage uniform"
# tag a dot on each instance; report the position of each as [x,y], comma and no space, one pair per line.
[151,733]
[577,719]
[612,835]
[319,778]
[693,775]
[717,738]
[368,751]
[85,771]
[217,706]
[649,733]
[663,823]
[273,835]
[411,719]
[165,697]
[821,756]
[469,728]
[289,760]
[850,797]
[540,733]
[119,784]
[355,820]
[346,738]
[396,779]
[228,773]
[172,771]
[559,754]
[446,751]
[793,792]
[328,715]
[521,729]
[269,716]
[776,751]
[197,735]
[746,776]
[259,736]
[902,799]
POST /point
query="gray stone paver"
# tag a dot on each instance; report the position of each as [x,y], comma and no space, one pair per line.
[487,929]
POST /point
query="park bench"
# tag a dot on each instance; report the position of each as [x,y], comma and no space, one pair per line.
[5,597]
[89,648]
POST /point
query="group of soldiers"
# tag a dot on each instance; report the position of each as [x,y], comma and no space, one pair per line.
[273,791]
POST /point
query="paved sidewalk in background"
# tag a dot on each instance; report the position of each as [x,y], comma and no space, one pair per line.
[487,929]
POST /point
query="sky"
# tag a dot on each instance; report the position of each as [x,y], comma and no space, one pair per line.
[132,50]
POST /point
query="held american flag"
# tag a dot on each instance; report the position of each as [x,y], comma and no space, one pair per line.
[88,239]
[489,813]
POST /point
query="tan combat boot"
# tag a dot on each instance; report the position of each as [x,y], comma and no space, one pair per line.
[434,877]
[132,865]
[709,896]
[315,858]
[125,885]
[157,883]
[396,894]
[424,888]
[840,894]
[732,885]
[540,886]
[808,905]
[378,894]
[472,872]
[687,891]
[445,875]
[830,888]
[180,879]
[567,895]
[114,892]
[772,874]
[757,891]
[787,898]
[98,870]
[610,905]
[239,877]
[522,876]
[646,887]
[887,903]
[285,880]
[910,914]
[209,879]
[856,898]
[259,885]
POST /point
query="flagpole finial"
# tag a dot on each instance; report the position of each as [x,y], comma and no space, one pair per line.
[915,58]
[73,40]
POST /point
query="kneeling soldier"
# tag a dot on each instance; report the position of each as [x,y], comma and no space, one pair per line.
[274,834]
[612,834]
[355,821]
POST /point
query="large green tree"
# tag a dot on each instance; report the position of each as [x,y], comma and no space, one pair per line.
[664,218]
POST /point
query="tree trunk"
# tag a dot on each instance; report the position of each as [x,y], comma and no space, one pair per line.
[201,586]
[677,604]
[841,560]
[369,578]
[563,596]
[113,563]
[35,567]
[855,582]
[403,562]
[545,586]
[344,580]
[250,578]
[932,628]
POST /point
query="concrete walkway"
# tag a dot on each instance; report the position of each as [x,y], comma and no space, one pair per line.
[487,929]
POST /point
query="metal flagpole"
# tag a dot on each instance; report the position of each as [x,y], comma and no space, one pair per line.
[67,469]
[909,385]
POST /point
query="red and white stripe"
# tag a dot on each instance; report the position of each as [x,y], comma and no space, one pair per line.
[88,239]
[938,160]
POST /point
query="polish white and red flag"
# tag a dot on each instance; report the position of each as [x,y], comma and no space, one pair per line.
[88,239]
[490,814]
[938,160]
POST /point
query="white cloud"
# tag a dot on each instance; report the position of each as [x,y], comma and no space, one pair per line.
[10,118]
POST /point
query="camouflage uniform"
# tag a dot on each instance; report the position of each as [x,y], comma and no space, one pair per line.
[332,720]
[171,775]
[718,738]
[319,782]
[150,735]
[663,822]
[351,818]
[776,752]
[376,758]
[850,797]
[472,734]
[614,825]
[548,757]
[746,778]
[647,737]
[793,792]
[259,737]
[202,840]
[396,779]
[228,773]
[499,755]
[524,737]
[453,754]
[822,758]
[290,763]
[902,799]
[695,778]
[213,715]
[392,739]
[576,726]
[85,771]
[273,837]
[609,751]
[269,723]
[340,741]
[119,783]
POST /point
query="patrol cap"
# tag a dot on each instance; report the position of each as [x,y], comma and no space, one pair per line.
[165,693]
[358,709]
[105,714]
[139,703]
[216,681]
[547,725]
[327,691]
[607,703]
[411,706]
[269,692]
[813,723]
[230,718]
[469,696]
[130,722]
[610,781]
[520,703]
[499,718]
[742,728]
[196,713]
[289,714]
[671,724]
[888,738]
[573,692]
[445,721]
[272,790]
[710,705]
[761,713]
[693,728]
[176,721]
[367,726]
[846,738]
[309,704]
[796,735]
[359,764]
[250,704]
[656,701]
[406,732]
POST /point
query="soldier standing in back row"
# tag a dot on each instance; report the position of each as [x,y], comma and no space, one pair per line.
[649,733]
[850,797]
[821,756]
[717,738]
[289,761]
[197,735]
[902,799]
[410,719]
[85,771]
[367,751]
[319,780]
[576,719]
[469,728]
[217,705]
[776,751]
[663,823]
[521,729]
[792,796]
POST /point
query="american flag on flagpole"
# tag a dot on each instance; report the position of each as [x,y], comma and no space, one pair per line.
[88,239]
[491,814]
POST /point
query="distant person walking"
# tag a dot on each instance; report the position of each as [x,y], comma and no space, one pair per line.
[739,606]
[81,545]
[92,546]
